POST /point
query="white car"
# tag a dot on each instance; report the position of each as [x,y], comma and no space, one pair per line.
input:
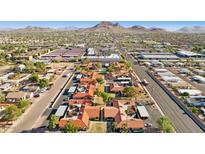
[43,90]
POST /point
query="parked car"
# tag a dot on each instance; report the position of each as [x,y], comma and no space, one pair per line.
[43,90]
[65,75]
[144,82]
[147,124]
[65,98]
[36,95]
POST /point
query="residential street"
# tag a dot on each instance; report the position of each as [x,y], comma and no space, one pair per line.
[29,118]
[43,120]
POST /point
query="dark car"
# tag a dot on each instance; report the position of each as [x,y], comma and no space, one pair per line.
[36,95]
[65,76]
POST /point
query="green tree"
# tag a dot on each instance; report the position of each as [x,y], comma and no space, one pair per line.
[184,94]
[70,128]
[100,80]
[11,113]
[30,67]
[110,69]
[127,64]
[98,65]
[23,104]
[130,91]
[165,125]
[106,96]
[77,67]
[53,122]
[34,78]
[114,126]
[43,83]
[195,110]
[197,48]
[40,67]
[85,61]
[122,56]
[2,97]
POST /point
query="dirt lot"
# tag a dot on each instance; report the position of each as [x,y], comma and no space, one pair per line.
[4,69]
[97,127]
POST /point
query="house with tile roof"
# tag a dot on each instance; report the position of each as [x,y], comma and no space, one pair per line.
[89,78]
[80,115]
[118,113]
[85,92]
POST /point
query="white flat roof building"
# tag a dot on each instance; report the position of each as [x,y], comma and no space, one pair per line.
[160,70]
[159,57]
[61,111]
[191,92]
[200,79]
[91,52]
[184,53]
[199,72]
[143,112]
[110,58]
[72,89]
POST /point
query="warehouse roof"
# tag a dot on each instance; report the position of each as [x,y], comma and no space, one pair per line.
[188,53]
[191,92]
[158,56]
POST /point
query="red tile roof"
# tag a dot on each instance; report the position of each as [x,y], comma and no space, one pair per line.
[116,88]
[82,121]
[80,101]
[132,123]
[89,93]
[118,113]
[93,111]
[110,112]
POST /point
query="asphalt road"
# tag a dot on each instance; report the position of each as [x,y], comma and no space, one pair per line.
[28,120]
[43,121]
[181,121]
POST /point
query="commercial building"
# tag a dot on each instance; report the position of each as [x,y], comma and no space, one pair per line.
[199,72]
[110,58]
[199,79]
[158,56]
[191,92]
[64,53]
[189,54]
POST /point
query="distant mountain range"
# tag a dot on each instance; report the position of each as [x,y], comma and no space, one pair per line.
[194,29]
[106,26]
[39,29]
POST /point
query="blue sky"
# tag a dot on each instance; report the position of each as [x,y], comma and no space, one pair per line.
[169,25]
